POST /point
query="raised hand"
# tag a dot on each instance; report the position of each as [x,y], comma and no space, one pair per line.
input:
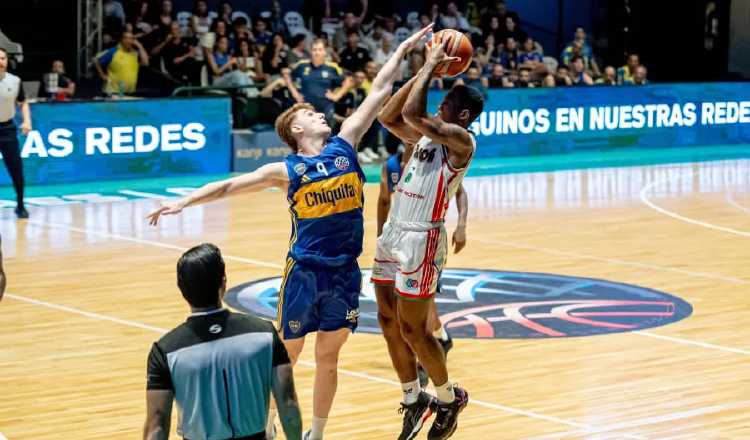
[418,37]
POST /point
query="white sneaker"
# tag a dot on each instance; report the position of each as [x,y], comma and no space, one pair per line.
[306,435]
[363,158]
[272,434]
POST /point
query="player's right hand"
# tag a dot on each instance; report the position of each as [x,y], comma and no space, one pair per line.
[170,207]
[437,58]
[417,38]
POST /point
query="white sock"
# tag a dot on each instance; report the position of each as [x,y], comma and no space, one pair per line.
[411,391]
[445,393]
[318,425]
[270,422]
[441,334]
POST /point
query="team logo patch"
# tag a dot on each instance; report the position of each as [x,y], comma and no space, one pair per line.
[300,169]
[215,329]
[341,163]
[498,304]
[352,316]
[294,326]
[412,283]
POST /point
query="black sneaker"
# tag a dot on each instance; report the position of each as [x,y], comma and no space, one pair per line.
[415,415]
[424,378]
[446,418]
[21,212]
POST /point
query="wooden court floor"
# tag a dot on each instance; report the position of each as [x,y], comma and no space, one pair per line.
[91,286]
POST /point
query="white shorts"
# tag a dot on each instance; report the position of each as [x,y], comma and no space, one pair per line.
[410,259]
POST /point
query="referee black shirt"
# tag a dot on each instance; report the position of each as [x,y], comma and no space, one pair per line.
[219,366]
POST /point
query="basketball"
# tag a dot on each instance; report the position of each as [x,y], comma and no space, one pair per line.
[457,45]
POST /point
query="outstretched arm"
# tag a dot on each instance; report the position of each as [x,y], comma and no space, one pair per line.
[390,115]
[267,176]
[455,138]
[360,121]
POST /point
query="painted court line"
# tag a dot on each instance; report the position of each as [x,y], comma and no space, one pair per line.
[646,266]
[262,263]
[639,423]
[644,198]
[733,202]
[691,342]
[616,261]
[147,242]
[101,317]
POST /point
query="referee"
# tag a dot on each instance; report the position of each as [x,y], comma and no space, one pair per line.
[219,366]
[11,93]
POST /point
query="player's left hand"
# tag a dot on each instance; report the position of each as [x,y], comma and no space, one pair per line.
[170,207]
[436,55]
[25,127]
[459,239]
[417,38]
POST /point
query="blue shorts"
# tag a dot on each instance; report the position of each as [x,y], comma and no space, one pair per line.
[315,298]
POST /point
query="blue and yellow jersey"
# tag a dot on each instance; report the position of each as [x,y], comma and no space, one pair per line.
[393,171]
[313,82]
[325,199]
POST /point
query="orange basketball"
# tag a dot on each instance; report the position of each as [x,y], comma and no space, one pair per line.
[457,45]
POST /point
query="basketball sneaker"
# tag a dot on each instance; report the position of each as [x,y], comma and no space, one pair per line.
[446,418]
[415,415]
[271,435]
[424,378]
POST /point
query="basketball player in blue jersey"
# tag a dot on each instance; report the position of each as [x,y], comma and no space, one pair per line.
[389,177]
[324,186]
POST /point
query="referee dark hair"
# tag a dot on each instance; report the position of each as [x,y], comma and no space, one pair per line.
[219,366]
[11,94]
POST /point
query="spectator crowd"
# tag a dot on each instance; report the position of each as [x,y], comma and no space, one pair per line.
[327,54]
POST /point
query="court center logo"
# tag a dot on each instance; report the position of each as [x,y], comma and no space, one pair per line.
[496,304]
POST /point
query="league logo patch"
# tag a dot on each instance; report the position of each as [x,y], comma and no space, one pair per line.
[300,169]
[341,163]
[412,283]
[508,305]
[394,178]
[294,326]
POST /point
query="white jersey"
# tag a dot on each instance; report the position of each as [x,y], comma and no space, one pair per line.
[427,184]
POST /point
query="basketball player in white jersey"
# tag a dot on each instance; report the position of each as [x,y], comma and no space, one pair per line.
[412,249]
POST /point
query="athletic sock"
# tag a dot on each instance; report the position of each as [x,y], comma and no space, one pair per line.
[411,391]
[441,334]
[445,393]
[318,425]
[270,422]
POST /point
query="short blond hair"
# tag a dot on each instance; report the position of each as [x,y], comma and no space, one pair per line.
[284,123]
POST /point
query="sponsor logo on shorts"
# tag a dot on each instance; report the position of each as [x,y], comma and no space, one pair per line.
[341,163]
[412,283]
[215,329]
[300,169]
[352,316]
[497,304]
[294,326]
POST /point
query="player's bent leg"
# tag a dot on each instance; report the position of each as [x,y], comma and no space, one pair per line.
[402,357]
[413,316]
